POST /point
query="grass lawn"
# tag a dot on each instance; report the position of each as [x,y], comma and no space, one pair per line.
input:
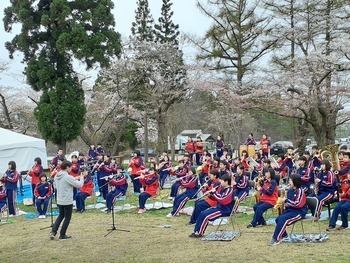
[23,241]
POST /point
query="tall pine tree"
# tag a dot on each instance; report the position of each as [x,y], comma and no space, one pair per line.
[142,28]
[166,30]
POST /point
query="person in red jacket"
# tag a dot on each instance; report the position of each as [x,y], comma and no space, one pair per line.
[190,147]
[35,173]
[74,171]
[151,182]
[269,196]
[3,203]
[265,144]
[136,164]
[85,191]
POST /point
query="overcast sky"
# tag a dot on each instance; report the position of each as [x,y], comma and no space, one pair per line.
[186,14]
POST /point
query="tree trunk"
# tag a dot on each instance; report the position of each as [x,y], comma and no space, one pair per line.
[162,136]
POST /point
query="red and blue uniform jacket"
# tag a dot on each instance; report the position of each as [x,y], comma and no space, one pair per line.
[345,168]
[100,150]
[219,145]
[207,165]
[136,164]
[269,191]
[222,172]
[345,185]
[152,183]
[54,162]
[120,183]
[164,165]
[189,182]
[92,154]
[199,146]
[11,180]
[346,195]
[282,169]
[74,171]
[224,199]
[328,183]
[211,185]
[241,184]
[2,194]
[35,173]
[250,142]
[304,172]
[296,200]
[180,172]
[43,190]
[190,147]
[87,186]
[265,144]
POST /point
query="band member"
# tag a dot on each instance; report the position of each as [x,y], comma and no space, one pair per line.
[208,201]
[236,162]
[224,207]
[42,192]
[266,166]
[219,146]
[199,150]
[190,182]
[215,165]
[54,161]
[57,169]
[151,183]
[206,163]
[120,184]
[304,172]
[85,191]
[314,162]
[64,184]
[10,179]
[74,171]
[181,171]
[282,168]
[3,203]
[250,140]
[240,183]
[265,144]
[343,206]
[258,168]
[244,160]
[163,170]
[345,166]
[136,164]
[223,168]
[187,161]
[224,155]
[325,186]
[99,149]
[92,153]
[190,147]
[295,209]
[269,195]
[35,173]
[104,170]
[289,159]
[81,160]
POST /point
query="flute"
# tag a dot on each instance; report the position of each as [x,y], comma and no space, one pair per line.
[211,191]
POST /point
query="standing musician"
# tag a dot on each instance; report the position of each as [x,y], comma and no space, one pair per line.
[74,171]
[209,201]
[265,144]
[269,195]
[81,160]
[163,170]
[190,182]
[100,149]
[190,147]
[250,140]
[199,150]
[181,171]
[104,170]
[151,182]
[85,190]
[120,184]
[295,209]
[343,206]
[206,163]
[219,146]
[42,193]
[136,164]
[304,172]
[92,153]
[54,161]
[35,173]
[223,208]
[10,179]
[57,169]
[3,203]
[240,184]
[325,186]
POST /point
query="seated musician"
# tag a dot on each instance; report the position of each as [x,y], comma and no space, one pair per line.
[179,172]
[223,168]
[281,170]
[268,197]
[244,160]
[190,182]
[257,168]
[84,191]
[240,183]
[325,186]
[209,201]
[224,206]
[120,184]
[345,164]
[163,170]
[74,171]
[206,163]
[304,172]
[3,203]
[295,209]
[42,193]
[151,183]
[236,162]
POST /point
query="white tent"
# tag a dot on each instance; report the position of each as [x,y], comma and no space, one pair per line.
[22,149]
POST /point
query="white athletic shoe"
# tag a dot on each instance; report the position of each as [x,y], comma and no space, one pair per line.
[169,215]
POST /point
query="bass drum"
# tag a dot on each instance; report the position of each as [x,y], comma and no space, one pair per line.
[242,148]
[251,150]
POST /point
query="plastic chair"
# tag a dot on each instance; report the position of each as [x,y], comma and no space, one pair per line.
[310,202]
[230,218]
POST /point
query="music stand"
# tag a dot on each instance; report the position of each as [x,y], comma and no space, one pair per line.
[51,214]
[113,225]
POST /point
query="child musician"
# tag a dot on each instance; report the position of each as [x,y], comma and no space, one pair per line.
[179,172]
[325,186]
[150,181]
[3,203]
[136,164]
[209,201]
[85,190]
[304,172]
[74,171]
[120,184]
[295,209]
[343,206]
[10,179]
[35,173]
[240,184]
[224,206]
[269,196]
[190,182]
[42,193]
[163,170]
[206,163]
[104,169]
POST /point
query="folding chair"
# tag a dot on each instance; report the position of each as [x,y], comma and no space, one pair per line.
[5,208]
[230,219]
[335,199]
[310,202]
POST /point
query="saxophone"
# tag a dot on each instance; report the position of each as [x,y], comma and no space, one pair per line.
[279,206]
[257,194]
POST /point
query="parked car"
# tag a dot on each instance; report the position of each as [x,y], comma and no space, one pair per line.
[151,152]
[280,147]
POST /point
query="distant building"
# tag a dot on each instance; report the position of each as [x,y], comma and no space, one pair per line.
[182,138]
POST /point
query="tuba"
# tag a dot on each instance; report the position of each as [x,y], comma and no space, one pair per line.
[331,153]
